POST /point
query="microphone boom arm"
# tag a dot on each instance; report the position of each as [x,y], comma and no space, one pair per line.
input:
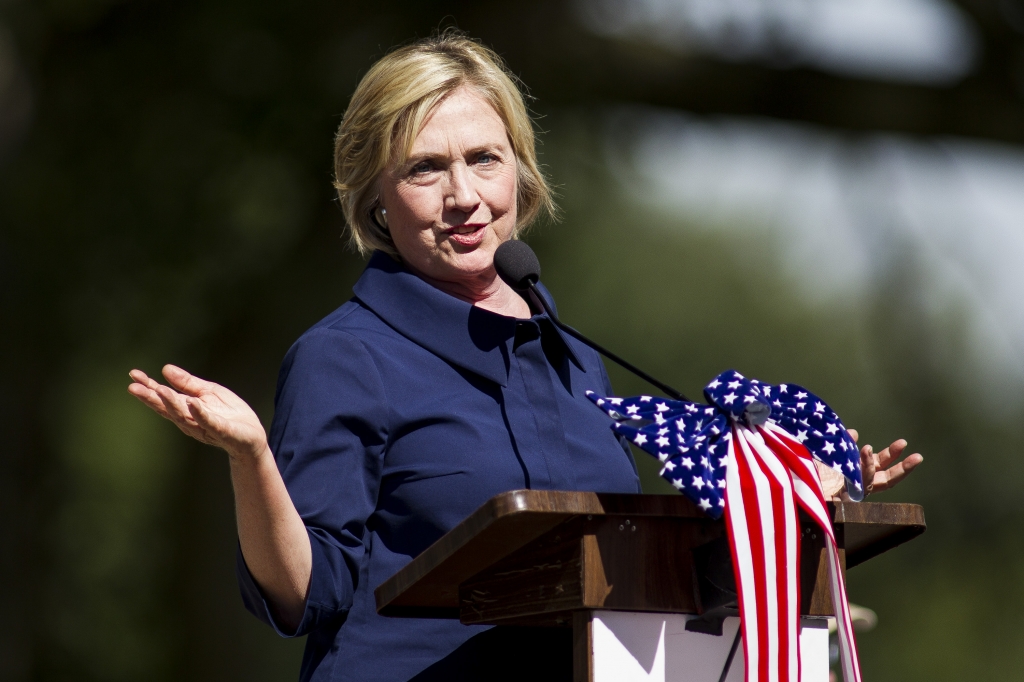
[665,388]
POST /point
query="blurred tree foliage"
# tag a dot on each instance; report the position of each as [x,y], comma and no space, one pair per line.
[165,197]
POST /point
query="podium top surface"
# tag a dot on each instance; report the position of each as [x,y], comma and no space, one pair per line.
[509,521]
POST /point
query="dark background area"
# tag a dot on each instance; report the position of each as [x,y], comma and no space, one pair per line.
[165,196]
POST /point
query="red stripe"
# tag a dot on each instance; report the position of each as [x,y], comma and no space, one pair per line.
[741,595]
[746,579]
[789,573]
[753,513]
[744,591]
[782,528]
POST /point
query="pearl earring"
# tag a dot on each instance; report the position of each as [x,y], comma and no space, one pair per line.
[379,215]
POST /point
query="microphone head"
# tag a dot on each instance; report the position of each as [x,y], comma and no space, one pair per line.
[517,264]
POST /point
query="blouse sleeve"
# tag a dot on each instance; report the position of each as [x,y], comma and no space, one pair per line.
[328,437]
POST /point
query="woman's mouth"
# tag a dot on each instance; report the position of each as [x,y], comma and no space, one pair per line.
[469,234]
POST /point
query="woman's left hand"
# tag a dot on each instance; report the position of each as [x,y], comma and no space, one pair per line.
[882,470]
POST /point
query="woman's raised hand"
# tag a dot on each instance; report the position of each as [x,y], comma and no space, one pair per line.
[202,409]
[273,538]
[882,470]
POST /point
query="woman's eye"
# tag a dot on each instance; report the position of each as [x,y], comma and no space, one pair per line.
[421,168]
[486,158]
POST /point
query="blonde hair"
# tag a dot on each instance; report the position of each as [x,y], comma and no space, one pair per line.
[389,108]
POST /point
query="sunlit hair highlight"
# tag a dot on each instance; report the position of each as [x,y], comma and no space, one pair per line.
[389,108]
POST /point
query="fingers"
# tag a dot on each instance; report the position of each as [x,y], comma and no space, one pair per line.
[139,376]
[185,382]
[883,470]
[162,399]
[210,422]
[891,453]
[912,461]
[213,427]
[168,404]
[897,472]
[868,466]
[203,410]
[175,404]
[853,434]
[149,398]
[145,389]
[142,379]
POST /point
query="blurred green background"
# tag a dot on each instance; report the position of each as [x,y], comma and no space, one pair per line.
[826,193]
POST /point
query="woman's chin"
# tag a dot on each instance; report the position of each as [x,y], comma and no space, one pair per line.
[468,264]
[472,265]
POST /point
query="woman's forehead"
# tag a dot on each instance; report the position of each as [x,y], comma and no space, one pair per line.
[462,121]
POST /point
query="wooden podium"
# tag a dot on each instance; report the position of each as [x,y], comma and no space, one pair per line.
[644,580]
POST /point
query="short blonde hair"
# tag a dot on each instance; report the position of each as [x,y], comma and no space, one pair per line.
[389,108]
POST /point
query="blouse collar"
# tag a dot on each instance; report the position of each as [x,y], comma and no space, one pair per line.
[461,333]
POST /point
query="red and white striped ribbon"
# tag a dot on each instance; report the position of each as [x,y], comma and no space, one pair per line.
[771,474]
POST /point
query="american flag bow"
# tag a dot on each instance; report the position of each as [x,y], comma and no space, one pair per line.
[748,454]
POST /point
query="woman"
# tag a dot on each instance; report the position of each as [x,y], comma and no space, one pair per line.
[433,389]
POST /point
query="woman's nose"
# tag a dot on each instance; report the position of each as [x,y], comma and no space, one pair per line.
[462,194]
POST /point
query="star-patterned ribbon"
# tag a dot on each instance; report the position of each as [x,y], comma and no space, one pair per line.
[748,455]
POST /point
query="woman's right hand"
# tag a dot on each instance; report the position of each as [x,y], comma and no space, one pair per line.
[273,538]
[204,410]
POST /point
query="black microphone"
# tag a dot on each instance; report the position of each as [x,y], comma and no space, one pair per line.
[518,267]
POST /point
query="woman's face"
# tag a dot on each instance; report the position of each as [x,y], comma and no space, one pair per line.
[453,201]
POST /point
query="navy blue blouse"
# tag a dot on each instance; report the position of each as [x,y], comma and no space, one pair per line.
[397,416]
